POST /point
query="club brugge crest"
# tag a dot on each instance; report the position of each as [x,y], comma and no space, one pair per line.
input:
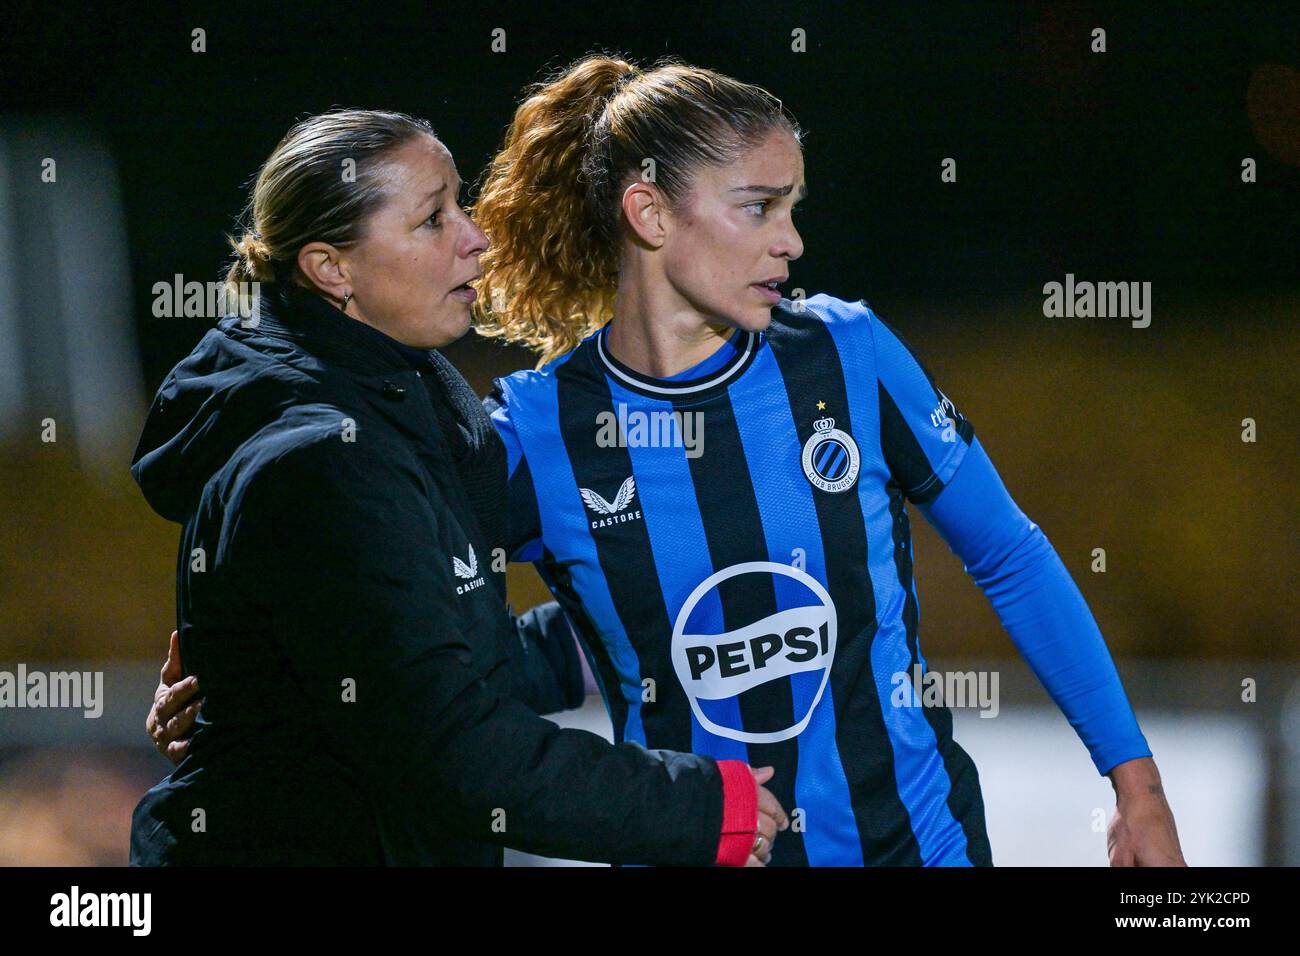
[830,457]
[793,648]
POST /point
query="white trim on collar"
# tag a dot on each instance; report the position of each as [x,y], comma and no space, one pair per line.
[646,384]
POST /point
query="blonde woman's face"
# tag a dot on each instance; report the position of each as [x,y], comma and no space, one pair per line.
[736,233]
[409,270]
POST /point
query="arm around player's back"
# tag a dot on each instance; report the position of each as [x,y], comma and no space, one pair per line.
[360,595]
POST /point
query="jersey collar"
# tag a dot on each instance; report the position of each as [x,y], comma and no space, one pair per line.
[744,348]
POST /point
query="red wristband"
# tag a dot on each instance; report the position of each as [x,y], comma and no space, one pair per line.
[739,813]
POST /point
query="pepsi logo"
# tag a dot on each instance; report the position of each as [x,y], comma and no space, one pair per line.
[796,644]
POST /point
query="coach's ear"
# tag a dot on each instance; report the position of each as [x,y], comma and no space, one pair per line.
[325,269]
[644,208]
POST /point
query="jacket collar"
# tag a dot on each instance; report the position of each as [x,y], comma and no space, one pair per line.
[307,320]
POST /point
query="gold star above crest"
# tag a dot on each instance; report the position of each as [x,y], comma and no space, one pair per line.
[821,406]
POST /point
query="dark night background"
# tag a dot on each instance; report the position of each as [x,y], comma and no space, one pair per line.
[1121,165]
[1116,166]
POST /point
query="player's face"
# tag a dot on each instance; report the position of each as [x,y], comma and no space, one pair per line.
[735,233]
[417,252]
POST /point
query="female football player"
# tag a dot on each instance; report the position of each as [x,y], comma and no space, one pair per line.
[713,479]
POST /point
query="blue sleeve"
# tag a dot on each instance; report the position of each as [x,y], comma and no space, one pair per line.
[923,435]
[545,666]
[1040,606]
[524,525]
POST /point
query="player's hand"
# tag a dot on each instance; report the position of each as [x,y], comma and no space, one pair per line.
[1142,832]
[771,816]
[175,705]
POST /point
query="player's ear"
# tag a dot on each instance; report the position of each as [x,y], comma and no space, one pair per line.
[644,208]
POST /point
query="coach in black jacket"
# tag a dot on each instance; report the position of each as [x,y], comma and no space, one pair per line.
[334,598]
[337,595]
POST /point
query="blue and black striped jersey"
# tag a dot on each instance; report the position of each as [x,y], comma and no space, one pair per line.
[733,547]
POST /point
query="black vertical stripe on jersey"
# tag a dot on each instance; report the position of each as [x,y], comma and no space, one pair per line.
[903,453]
[630,572]
[810,365]
[965,800]
[733,528]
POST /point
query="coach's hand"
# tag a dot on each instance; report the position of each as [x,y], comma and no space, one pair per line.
[171,718]
[771,817]
[1142,832]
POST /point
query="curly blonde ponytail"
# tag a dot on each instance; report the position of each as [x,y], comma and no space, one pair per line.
[550,274]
